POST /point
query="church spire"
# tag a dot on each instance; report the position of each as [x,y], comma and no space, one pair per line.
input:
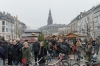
[50,21]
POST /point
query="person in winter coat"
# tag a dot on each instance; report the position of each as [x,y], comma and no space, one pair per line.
[97,46]
[68,46]
[5,46]
[42,53]
[78,47]
[50,48]
[35,48]
[2,54]
[10,47]
[89,52]
[16,53]
[21,45]
[26,53]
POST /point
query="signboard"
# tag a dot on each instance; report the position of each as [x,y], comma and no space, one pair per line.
[30,39]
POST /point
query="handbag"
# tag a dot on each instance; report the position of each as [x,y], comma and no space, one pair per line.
[23,60]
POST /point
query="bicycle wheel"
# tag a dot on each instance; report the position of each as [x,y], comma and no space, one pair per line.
[75,64]
[65,63]
[32,58]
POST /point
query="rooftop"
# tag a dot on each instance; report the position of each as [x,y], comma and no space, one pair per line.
[8,17]
[30,31]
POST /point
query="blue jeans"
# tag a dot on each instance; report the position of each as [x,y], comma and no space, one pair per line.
[15,63]
[1,62]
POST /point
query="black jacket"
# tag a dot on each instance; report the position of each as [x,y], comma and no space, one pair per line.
[43,53]
[68,45]
[20,44]
[16,53]
[50,48]
[10,48]
[2,53]
[5,47]
[35,46]
[62,48]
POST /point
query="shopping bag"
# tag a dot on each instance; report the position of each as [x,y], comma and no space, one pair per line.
[23,60]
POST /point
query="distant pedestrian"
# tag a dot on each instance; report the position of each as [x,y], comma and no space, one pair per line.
[26,53]
[97,46]
[89,52]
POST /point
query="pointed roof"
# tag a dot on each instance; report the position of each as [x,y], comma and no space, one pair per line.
[50,20]
[49,12]
[71,35]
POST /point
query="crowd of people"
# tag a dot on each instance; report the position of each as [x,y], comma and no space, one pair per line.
[20,52]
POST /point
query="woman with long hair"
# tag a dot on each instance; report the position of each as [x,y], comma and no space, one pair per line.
[42,53]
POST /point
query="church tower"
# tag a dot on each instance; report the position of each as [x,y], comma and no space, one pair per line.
[49,21]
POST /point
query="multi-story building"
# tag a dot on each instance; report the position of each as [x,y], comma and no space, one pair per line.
[51,28]
[8,26]
[74,25]
[87,23]
[96,15]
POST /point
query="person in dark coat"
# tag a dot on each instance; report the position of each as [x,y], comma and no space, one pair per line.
[68,46]
[5,46]
[42,53]
[21,45]
[10,47]
[16,53]
[62,47]
[35,48]
[50,48]
[2,55]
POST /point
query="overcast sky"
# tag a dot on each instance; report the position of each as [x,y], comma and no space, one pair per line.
[34,13]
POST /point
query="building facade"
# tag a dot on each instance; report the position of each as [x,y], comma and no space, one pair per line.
[87,23]
[8,26]
[51,28]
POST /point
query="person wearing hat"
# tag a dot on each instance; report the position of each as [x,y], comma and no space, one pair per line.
[89,52]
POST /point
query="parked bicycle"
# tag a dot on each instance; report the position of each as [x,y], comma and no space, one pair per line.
[89,63]
[66,63]
[62,61]
[59,62]
[37,62]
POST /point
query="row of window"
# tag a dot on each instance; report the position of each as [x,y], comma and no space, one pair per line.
[3,29]
[5,23]
[6,29]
